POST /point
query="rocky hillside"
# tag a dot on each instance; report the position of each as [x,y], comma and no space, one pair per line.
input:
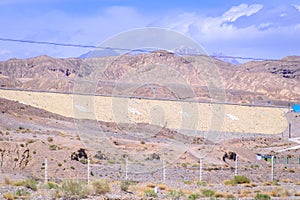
[253,82]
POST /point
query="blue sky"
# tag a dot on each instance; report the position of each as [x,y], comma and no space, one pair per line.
[268,29]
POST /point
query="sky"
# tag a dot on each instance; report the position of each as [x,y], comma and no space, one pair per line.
[259,29]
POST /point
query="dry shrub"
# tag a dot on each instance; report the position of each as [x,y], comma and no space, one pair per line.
[297,194]
[9,196]
[250,185]
[287,181]
[101,186]
[162,186]
[151,185]
[224,195]
[267,183]
[244,193]
[280,192]
[7,180]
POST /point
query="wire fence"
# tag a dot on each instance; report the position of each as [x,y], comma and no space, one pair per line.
[283,169]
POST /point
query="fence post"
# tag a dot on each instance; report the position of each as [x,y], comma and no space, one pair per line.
[88,171]
[236,166]
[200,170]
[46,170]
[272,168]
[164,171]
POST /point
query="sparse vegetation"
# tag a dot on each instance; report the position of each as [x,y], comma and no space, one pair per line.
[175,194]
[187,182]
[7,180]
[262,197]
[162,186]
[50,139]
[53,147]
[125,185]
[239,179]
[9,196]
[201,183]
[193,196]
[208,193]
[22,194]
[52,185]
[30,183]
[101,186]
[74,189]
[150,193]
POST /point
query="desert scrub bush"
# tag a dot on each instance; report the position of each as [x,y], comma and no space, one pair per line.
[239,179]
[7,180]
[101,186]
[267,183]
[30,184]
[280,192]
[162,186]
[74,189]
[52,185]
[125,185]
[22,194]
[150,185]
[83,161]
[53,147]
[184,165]
[208,193]
[187,182]
[287,181]
[262,197]
[297,194]
[175,194]
[193,196]
[9,196]
[201,183]
[50,139]
[224,195]
[150,193]
[275,183]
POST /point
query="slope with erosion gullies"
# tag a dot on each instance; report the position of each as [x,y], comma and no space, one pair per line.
[29,134]
[40,73]
[157,75]
[277,79]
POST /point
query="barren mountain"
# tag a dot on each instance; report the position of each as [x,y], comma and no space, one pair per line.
[159,75]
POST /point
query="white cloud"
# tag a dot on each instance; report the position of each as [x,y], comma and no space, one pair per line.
[297,7]
[283,14]
[257,36]
[5,52]
[242,10]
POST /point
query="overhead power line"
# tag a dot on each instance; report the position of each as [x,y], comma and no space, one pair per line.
[131,50]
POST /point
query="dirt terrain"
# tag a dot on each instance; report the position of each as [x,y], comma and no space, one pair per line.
[158,134]
[29,135]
